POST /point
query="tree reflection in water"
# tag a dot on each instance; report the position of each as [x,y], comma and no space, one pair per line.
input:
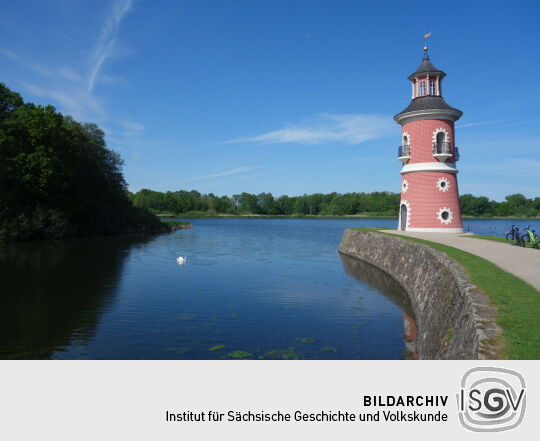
[54,293]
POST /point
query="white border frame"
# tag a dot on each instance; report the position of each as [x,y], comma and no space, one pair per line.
[446,167]
[436,230]
[446,187]
[408,205]
[440,130]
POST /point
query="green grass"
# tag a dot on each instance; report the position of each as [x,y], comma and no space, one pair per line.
[517,302]
[498,239]
[369,229]
[174,223]
[493,238]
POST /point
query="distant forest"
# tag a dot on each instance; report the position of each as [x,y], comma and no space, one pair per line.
[193,203]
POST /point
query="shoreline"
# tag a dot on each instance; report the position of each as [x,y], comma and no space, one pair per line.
[317,216]
[164,228]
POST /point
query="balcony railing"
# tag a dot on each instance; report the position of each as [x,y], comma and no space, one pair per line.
[443,150]
[404,152]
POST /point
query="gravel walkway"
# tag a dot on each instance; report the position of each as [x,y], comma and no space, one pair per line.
[521,262]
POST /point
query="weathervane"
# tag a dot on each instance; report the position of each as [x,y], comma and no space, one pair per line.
[426,36]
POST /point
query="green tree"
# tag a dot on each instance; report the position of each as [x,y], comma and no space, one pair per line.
[57,177]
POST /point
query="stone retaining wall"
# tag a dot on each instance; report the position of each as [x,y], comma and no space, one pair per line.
[454,319]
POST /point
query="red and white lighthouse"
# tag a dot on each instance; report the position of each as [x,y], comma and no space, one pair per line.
[429,188]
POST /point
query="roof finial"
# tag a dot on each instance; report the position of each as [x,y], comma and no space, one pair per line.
[426,55]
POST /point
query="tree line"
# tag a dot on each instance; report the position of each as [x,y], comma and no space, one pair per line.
[513,205]
[318,204]
[57,178]
[333,204]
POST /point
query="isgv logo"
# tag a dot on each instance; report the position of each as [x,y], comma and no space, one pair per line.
[491,399]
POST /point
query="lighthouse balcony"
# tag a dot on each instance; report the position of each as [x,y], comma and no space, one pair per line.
[404,153]
[443,150]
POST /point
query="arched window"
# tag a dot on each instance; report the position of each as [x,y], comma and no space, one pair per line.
[403,217]
[405,149]
[406,140]
[440,142]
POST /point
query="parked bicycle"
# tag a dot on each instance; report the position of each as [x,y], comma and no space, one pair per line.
[512,233]
[529,236]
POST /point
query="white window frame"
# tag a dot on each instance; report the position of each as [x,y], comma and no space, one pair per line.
[422,91]
[432,86]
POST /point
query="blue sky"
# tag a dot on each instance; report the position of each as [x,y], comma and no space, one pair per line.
[288,97]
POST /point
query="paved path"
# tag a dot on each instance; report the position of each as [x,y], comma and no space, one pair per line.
[521,262]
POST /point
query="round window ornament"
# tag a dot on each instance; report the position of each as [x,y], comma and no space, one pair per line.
[404,186]
[443,184]
[445,215]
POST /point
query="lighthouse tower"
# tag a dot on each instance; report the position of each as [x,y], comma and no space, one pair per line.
[429,188]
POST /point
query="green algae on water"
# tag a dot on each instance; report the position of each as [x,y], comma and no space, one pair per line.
[239,354]
[216,348]
[284,354]
[305,340]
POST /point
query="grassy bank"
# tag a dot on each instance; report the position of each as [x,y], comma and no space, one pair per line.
[498,239]
[509,218]
[174,225]
[517,302]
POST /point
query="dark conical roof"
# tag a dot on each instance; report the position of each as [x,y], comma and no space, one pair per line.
[426,68]
[427,103]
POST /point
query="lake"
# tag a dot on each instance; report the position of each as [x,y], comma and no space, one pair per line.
[251,288]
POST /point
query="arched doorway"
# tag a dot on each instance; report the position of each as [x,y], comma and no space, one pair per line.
[403,217]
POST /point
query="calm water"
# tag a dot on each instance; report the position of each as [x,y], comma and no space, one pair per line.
[272,289]
[498,227]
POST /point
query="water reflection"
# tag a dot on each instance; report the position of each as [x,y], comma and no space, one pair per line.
[262,289]
[388,287]
[53,293]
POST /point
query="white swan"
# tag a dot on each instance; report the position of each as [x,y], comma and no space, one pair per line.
[180,260]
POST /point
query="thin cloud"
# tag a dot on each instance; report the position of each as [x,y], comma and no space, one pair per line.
[256,175]
[62,72]
[240,178]
[70,75]
[75,96]
[76,102]
[481,123]
[107,39]
[328,128]
[42,70]
[131,125]
[234,171]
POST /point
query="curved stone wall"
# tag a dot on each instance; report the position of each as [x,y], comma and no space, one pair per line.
[455,320]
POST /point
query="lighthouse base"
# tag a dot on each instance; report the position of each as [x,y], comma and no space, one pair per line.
[435,230]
